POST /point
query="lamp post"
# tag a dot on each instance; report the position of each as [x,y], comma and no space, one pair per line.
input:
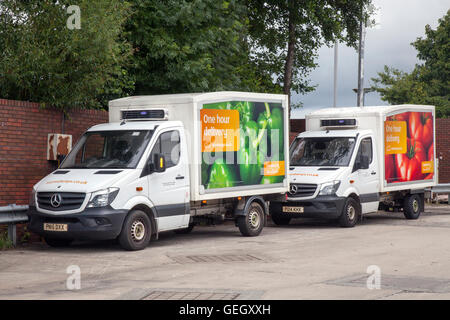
[335,74]
[363,95]
[360,92]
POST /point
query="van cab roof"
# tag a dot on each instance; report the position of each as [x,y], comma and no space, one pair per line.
[333,133]
[366,111]
[134,125]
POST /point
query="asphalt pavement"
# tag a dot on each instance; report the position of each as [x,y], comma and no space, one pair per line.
[384,257]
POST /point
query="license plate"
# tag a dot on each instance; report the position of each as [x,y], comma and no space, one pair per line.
[293,209]
[55,227]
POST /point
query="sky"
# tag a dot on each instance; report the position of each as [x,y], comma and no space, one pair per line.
[400,22]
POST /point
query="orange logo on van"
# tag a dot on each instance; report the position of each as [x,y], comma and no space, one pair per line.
[219,130]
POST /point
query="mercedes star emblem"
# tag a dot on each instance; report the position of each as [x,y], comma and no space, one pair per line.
[56,200]
[293,189]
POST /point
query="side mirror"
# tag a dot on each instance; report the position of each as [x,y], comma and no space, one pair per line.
[159,163]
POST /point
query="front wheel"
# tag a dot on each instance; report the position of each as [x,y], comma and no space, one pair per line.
[136,231]
[411,206]
[252,223]
[350,213]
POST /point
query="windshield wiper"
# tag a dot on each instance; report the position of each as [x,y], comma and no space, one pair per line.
[115,167]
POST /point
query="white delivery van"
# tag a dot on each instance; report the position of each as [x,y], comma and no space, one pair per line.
[165,163]
[353,161]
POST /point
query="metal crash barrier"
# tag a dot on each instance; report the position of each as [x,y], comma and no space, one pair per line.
[12,215]
[442,188]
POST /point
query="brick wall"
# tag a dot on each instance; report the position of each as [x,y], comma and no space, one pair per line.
[23,143]
[442,144]
[443,149]
[297,126]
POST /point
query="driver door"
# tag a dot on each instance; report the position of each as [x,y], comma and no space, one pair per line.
[168,189]
[366,179]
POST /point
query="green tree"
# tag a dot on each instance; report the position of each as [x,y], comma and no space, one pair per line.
[428,83]
[286,35]
[42,60]
[190,46]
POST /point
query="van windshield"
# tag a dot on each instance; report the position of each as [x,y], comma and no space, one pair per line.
[319,152]
[108,149]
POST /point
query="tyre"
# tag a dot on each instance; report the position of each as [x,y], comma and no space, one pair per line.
[136,231]
[185,230]
[412,206]
[279,219]
[350,213]
[252,223]
[58,243]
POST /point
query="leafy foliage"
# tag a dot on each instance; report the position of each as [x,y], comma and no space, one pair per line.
[5,242]
[165,46]
[190,46]
[44,61]
[428,83]
[286,35]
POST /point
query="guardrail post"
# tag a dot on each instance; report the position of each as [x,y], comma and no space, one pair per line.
[11,215]
[12,233]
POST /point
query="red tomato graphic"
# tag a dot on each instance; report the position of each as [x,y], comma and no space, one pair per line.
[421,127]
[409,165]
[389,167]
[400,117]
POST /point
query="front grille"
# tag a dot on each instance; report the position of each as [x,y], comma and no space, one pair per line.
[302,190]
[69,200]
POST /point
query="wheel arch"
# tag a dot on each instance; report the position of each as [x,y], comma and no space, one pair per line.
[354,196]
[242,207]
[151,215]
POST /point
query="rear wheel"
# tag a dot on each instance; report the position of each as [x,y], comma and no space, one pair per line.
[58,243]
[350,213]
[252,223]
[412,206]
[136,231]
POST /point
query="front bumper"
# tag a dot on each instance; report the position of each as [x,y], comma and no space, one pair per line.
[91,224]
[325,207]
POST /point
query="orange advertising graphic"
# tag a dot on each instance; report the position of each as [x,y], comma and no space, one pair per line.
[395,137]
[427,167]
[219,130]
[274,168]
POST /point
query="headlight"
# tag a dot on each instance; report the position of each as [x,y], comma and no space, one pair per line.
[329,188]
[31,201]
[103,197]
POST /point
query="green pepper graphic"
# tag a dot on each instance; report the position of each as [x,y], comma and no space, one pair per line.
[250,158]
[273,120]
[272,179]
[245,109]
[221,175]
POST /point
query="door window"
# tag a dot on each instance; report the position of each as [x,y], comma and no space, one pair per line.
[365,150]
[168,144]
